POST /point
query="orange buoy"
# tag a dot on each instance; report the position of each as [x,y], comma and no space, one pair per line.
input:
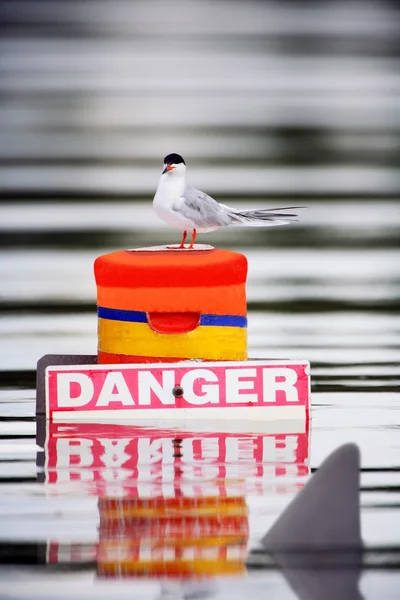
[160,305]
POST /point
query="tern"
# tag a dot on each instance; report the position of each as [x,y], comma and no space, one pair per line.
[188,209]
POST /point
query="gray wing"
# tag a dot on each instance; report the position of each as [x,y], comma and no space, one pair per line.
[202,209]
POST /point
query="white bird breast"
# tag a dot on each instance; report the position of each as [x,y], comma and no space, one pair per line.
[163,208]
[167,201]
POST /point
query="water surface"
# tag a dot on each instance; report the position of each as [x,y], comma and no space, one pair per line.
[324,290]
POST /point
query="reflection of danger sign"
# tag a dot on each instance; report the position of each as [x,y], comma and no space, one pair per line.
[126,391]
[141,460]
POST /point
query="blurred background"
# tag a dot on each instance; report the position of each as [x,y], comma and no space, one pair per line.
[262,98]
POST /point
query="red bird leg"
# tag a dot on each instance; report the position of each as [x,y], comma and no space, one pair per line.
[194,234]
[184,236]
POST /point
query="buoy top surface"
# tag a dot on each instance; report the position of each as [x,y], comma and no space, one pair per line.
[162,269]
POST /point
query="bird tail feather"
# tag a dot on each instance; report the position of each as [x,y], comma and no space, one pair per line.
[264,216]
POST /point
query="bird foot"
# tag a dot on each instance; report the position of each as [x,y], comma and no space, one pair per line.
[195,247]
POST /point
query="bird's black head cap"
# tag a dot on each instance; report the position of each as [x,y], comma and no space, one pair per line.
[173,159]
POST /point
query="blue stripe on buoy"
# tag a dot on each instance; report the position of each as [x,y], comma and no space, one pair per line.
[223,320]
[115,314]
[138,316]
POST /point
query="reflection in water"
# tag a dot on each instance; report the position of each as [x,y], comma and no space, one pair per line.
[167,496]
[146,461]
[177,537]
[180,590]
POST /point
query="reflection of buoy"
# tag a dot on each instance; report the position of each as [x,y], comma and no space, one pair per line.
[162,508]
[176,537]
[168,306]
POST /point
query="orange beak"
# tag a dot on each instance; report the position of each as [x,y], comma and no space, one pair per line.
[168,168]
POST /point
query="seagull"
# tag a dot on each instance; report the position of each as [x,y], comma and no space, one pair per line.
[188,209]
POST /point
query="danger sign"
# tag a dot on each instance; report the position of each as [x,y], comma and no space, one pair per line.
[234,389]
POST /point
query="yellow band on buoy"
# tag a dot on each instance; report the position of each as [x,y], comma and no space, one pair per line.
[122,337]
